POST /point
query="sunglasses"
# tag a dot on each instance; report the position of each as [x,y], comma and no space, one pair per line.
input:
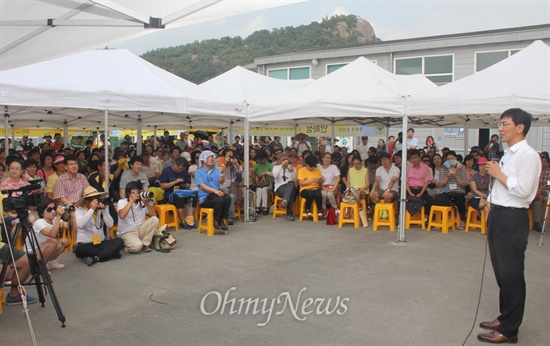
[50,209]
[426,160]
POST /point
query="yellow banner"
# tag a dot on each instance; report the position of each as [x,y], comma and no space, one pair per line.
[317,130]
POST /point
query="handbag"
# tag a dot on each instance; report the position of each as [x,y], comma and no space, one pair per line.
[350,196]
[331,216]
[262,181]
[181,193]
[163,241]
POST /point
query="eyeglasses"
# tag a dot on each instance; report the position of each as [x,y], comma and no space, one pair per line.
[504,124]
[426,160]
[50,209]
[230,157]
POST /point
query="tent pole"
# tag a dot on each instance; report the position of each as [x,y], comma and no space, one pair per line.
[107,165]
[231,135]
[66,141]
[139,141]
[466,135]
[401,233]
[6,118]
[12,136]
[246,140]
[332,137]
[155,137]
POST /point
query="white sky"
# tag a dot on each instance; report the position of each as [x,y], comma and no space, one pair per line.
[391,20]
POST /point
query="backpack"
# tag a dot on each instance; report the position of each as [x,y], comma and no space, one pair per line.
[163,241]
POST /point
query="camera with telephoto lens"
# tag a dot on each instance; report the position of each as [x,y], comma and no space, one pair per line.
[146,194]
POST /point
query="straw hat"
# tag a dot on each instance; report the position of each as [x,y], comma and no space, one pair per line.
[90,192]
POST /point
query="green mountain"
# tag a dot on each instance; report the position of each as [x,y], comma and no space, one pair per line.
[201,61]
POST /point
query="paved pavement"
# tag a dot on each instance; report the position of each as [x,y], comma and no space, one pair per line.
[334,286]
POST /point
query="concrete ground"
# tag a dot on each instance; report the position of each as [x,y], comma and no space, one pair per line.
[367,289]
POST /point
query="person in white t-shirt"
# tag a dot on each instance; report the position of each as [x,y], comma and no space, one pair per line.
[331,175]
[46,229]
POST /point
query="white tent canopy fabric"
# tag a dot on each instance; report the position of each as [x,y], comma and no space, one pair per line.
[520,81]
[360,89]
[114,80]
[36,30]
[240,84]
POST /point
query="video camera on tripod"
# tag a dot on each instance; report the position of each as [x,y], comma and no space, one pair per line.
[24,198]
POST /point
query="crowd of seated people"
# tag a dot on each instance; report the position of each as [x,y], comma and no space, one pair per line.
[210,171]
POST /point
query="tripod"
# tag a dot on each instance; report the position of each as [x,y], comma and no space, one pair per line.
[39,272]
[545,219]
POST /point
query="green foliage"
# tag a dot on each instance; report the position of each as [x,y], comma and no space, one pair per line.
[201,61]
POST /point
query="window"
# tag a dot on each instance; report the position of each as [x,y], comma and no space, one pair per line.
[486,59]
[290,73]
[334,67]
[439,69]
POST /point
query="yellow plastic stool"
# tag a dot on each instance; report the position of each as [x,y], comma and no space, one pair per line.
[417,219]
[531,218]
[239,211]
[208,226]
[2,300]
[163,211]
[390,221]
[355,219]
[476,219]
[277,208]
[314,210]
[443,218]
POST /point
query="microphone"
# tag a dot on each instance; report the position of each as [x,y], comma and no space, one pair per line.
[25,188]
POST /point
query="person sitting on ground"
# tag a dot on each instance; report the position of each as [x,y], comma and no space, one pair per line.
[177,176]
[284,178]
[208,179]
[21,273]
[91,215]
[479,186]
[310,180]
[386,185]
[331,177]
[133,228]
[47,228]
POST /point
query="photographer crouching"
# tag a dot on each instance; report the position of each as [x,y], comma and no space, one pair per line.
[135,231]
[90,238]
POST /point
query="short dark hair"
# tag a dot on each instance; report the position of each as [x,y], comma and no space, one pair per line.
[181,161]
[132,185]
[68,158]
[311,161]
[372,159]
[27,163]
[384,154]
[519,116]
[135,159]
[43,206]
[413,152]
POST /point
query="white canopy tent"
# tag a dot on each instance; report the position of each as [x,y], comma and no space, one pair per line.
[240,84]
[360,89]
[520,81]
[36,30]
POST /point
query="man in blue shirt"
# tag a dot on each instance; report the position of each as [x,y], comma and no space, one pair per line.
[177,175]
[208,179]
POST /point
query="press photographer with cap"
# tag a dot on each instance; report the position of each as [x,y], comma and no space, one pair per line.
[91,215]
[133,228]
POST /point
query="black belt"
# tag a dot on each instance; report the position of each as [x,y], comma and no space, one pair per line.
[500,207]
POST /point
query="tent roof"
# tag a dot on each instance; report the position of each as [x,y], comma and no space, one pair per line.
[36,30]
[520,81]
[360,89]
[114,80]
[241,84]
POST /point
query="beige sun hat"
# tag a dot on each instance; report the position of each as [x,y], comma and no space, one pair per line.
[90,192]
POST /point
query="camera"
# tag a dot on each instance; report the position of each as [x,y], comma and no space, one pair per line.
[69,208]
[146,194]
[22,202]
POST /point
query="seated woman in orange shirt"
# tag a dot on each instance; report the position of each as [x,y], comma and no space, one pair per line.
[310,180]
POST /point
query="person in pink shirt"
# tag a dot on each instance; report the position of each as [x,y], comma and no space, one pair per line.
[419,175]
